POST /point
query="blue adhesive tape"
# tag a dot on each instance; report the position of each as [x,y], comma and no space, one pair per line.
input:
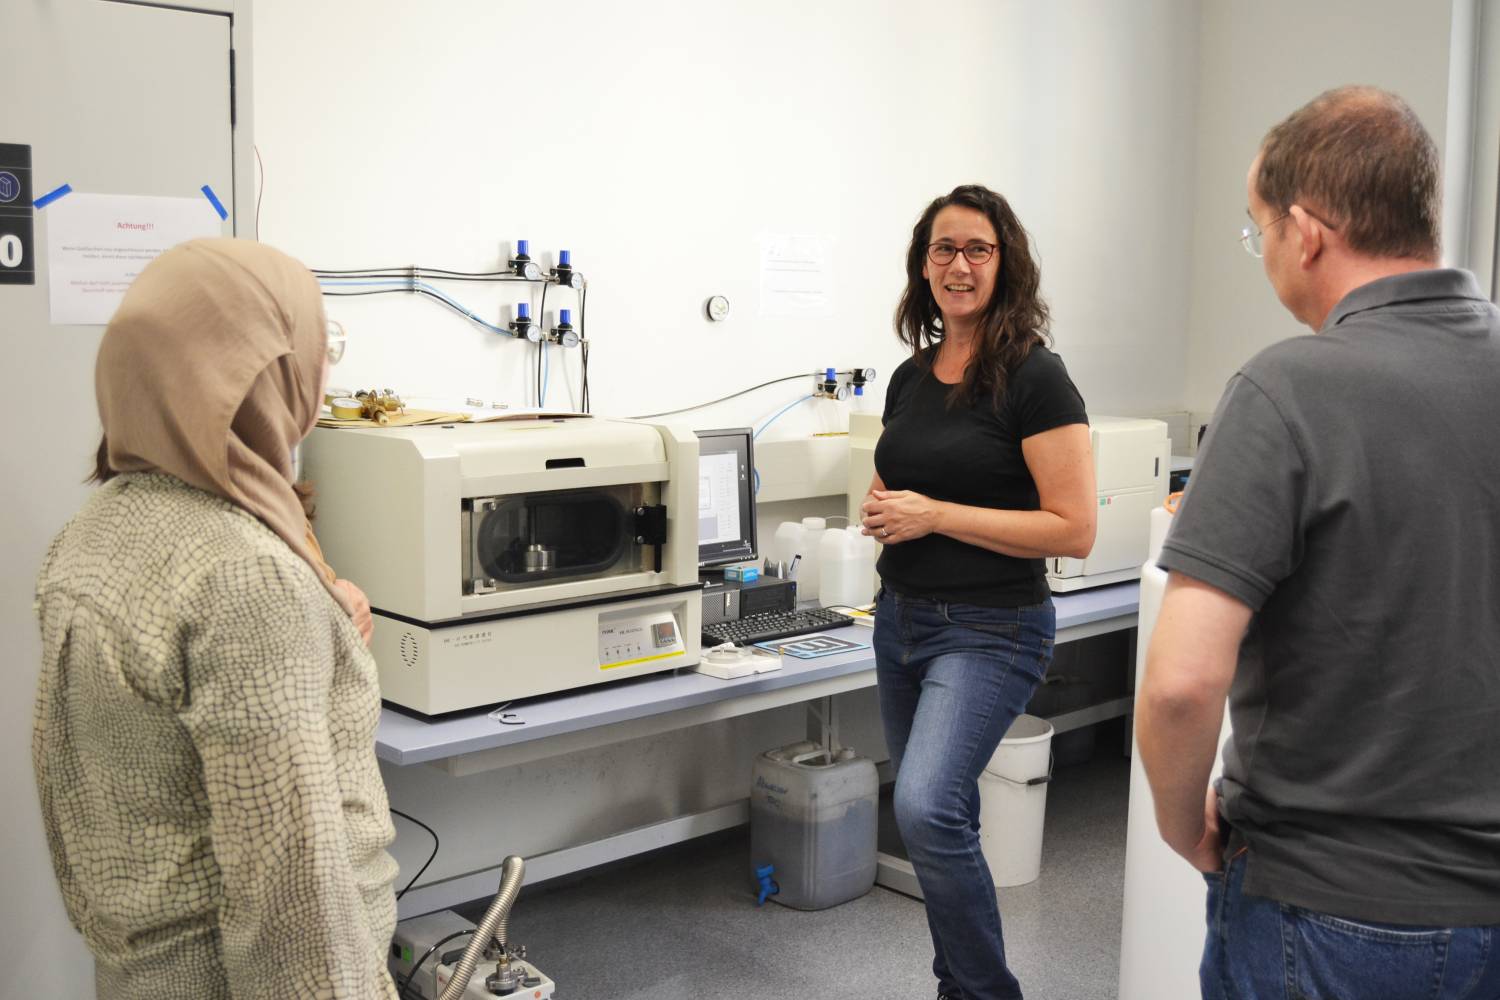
[52,196]
[213,200]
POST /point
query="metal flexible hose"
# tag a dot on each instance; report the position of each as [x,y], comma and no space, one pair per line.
[494,925]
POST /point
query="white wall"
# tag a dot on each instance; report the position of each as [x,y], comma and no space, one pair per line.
[1260,62]
[658,143]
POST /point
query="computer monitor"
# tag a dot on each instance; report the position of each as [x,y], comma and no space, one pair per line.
[726,496]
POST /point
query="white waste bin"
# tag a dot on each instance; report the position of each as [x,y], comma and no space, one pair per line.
[1013,801]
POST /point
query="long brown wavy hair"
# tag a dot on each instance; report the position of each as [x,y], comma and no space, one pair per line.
[1012,324]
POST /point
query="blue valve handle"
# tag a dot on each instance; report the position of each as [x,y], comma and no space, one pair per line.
[768,886]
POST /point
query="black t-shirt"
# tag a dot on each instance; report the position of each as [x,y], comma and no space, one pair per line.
[971,455]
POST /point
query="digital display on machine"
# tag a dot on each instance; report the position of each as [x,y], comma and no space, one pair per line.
[726,496]
[664,634]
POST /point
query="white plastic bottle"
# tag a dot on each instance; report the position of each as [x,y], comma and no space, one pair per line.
[864,583]
[806,576]
[835,567]
[846,561]
[785,543]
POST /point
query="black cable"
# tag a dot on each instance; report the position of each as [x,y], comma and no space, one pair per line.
[425,956]
[433,834]
[382,272]
[583,340]
[733,395]
[259,191]
[410,289]
[584,346]
[542,319]
[407,274]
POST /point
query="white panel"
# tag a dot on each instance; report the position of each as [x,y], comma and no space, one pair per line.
[1260,62]
[118,99]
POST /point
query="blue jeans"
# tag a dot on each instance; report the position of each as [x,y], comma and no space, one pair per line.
[952,679]
[1259,948]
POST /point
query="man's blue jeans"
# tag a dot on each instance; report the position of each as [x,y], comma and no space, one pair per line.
[953,677]
[1259,949]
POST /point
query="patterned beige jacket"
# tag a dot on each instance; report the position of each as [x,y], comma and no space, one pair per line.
[204,750]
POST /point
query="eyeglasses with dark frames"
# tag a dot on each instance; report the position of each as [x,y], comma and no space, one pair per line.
[975,253]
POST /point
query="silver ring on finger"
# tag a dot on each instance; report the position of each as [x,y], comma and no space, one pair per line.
[885,533]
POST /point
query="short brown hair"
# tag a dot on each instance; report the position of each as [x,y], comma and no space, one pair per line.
[1360,158]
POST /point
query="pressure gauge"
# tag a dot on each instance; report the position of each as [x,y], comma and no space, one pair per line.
[571,278]
[717,308]
[522,266]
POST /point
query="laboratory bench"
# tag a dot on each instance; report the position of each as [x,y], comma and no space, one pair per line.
[548,726]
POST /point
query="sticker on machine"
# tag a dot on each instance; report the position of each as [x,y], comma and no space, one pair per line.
[458,640]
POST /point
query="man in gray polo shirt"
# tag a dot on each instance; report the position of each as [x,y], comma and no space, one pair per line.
[1335,570]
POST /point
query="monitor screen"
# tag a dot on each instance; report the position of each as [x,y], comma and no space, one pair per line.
[726,496]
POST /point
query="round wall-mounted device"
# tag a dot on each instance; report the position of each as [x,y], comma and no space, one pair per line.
[717,308]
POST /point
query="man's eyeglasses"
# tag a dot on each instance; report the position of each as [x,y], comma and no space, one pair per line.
[974,253]
[337,338]
[1253,236]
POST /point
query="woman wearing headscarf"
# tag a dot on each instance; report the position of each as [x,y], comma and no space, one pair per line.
[204,742]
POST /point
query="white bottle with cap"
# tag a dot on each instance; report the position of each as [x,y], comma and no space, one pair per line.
[806,575]
[785,543]
[846,564]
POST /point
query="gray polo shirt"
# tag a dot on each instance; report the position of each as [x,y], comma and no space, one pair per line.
[1348,491]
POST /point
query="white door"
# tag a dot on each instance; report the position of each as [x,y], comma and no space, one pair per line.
[112,98]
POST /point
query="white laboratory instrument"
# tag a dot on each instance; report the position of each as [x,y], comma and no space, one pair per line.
[514,558]
[1132,464]
[1163,926]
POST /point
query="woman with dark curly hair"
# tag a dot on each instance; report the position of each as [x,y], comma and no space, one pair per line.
[983,471]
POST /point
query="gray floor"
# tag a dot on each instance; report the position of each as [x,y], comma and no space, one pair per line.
[682,923]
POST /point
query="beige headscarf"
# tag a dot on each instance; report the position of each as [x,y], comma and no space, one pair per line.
[211,370]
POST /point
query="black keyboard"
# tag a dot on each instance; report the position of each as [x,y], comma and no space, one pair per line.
[769,626]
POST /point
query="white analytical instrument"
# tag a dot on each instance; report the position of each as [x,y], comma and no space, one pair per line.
[514,558]
[1132,465]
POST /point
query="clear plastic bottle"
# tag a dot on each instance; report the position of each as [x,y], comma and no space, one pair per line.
[807,576]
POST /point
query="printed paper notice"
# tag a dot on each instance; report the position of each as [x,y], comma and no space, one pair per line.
[98,243]
[794,279]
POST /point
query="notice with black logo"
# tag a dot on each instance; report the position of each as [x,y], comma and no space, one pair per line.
[17,246]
